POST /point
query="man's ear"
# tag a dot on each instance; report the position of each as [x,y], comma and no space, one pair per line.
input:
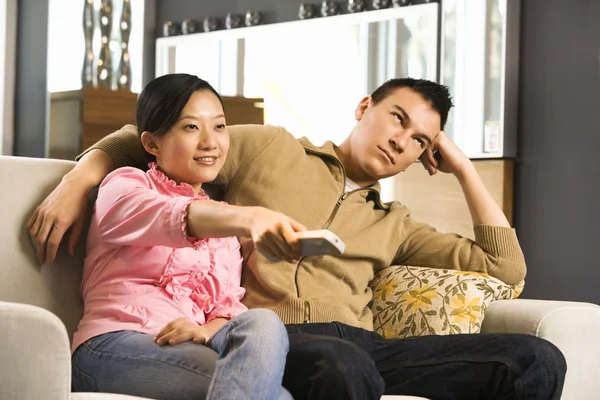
[150,143]
[365,103]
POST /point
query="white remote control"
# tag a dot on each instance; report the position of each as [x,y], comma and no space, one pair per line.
[317,242]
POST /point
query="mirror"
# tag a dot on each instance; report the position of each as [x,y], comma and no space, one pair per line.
[479,63]
[312,73]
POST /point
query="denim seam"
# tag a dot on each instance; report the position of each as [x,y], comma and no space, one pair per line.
[228,338]
[511,366]
[339,329]
[91,381]
[117,355]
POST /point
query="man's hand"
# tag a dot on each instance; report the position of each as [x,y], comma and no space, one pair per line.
[64,208]
[483,208]
[181,330]
[274,234]
[452,161]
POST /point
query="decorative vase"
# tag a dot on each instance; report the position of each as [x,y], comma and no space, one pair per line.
[233,21]
[329,8]
[253,18]
[210,24]
[355,6]
[104,69]
[400,3]
[124,71]
[381,4]
[190,26]
[171,28]
[307,11]
[87,70]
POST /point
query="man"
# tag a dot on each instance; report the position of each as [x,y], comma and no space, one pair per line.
[333,353]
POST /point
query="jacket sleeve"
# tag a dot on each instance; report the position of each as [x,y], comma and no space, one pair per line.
[124,148]
[230,304]
[246,143]
[495,251]
[128,212]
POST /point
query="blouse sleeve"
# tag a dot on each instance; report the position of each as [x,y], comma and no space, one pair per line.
[129,212]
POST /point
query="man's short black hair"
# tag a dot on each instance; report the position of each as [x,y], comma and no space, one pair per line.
[437,95]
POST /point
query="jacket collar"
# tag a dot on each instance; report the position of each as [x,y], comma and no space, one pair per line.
[328,150]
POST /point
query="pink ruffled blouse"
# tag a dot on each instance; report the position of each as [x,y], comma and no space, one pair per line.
[142,270]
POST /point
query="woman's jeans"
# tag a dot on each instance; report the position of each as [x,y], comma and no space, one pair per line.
[244,360]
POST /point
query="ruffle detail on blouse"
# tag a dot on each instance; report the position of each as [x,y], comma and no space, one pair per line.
[190,285]
[183,189]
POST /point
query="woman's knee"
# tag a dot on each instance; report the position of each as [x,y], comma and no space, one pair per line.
[265,323]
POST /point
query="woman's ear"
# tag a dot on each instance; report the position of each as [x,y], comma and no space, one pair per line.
[151,143]
[362,106]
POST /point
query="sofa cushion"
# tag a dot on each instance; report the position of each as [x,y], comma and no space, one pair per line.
[25,184]
[416,301]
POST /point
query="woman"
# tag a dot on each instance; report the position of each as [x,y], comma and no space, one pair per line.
[161,281]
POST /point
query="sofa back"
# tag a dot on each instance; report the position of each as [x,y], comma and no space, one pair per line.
[24,183]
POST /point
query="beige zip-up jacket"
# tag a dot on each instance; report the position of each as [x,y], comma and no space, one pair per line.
[266,166]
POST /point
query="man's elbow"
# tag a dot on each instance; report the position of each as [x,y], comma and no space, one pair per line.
[510,271]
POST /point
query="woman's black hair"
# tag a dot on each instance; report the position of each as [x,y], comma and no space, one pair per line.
[164,98]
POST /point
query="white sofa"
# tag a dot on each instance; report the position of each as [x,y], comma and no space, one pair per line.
[41,306]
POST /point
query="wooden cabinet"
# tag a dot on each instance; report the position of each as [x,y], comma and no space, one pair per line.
[104,111]
[80,118]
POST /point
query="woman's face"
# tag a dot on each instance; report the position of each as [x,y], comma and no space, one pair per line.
[194,149]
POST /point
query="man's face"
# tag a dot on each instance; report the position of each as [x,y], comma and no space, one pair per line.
[391,135]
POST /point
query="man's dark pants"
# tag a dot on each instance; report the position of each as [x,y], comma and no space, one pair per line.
[335,361]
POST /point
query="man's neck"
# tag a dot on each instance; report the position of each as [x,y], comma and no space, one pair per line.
[344,154]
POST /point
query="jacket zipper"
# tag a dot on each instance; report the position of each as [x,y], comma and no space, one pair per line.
[335,209]
[306,312]
[343,197]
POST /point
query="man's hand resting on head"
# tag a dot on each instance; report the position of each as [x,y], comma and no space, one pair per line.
[483,208]
[65,207]
[453,160]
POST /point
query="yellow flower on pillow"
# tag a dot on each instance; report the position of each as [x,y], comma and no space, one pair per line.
[417,297]
[463,308]
[390,287]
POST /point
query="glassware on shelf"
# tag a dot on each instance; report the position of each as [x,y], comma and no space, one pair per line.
[355,6]
[307,11]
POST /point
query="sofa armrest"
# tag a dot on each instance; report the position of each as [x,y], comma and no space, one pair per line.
[571,326]
[35,354]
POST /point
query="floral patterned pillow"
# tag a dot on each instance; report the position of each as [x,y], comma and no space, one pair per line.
[416,301]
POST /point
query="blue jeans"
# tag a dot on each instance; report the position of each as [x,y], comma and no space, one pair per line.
[244,359]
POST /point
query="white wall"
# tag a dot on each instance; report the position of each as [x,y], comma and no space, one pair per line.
[8,45]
